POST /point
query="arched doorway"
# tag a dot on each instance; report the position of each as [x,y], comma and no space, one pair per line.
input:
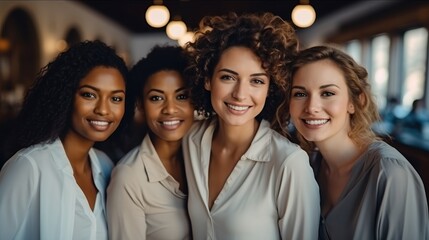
[19,65]
[19,60]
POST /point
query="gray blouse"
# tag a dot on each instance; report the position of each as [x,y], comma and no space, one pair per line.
[384,199]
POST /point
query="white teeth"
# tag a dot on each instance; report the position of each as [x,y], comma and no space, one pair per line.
[171,122]
[99,123]
[316,122]
[237,108]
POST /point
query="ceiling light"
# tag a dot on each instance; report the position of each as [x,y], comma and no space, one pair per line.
[303,15]
[187,37]
[176,29]
[157,16]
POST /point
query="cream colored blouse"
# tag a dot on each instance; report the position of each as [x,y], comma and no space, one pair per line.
[270,194]
[143,200]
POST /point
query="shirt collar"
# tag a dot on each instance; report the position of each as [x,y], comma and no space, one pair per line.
[154,169]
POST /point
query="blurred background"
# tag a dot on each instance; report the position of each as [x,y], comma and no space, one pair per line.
[388,37]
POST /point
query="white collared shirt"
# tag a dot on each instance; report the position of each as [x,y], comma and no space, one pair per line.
[39,195]
[270,194]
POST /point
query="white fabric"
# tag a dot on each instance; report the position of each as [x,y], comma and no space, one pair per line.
[38,193]
[143,200]
[270,194]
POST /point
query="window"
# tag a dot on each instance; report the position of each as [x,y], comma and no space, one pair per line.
[414,49]
[354,49]
[379,75]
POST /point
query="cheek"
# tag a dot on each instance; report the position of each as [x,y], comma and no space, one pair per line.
[119,109]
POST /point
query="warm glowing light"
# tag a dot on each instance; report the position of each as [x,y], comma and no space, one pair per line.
[187,37]
[157,16]
[303,15]
[176,29]
[4,45]
[61,45]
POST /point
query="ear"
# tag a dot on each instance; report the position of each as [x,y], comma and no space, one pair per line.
[351,108]
[207,85]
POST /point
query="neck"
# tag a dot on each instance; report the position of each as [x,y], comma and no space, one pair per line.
[167,151]
[340,158]
[235,136]
[77,153]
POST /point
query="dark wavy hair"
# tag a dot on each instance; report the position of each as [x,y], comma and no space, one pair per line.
[271,38]
[356,76]
[48,104]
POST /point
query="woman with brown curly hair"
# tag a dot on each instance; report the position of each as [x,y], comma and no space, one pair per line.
[246,180]
[368,189]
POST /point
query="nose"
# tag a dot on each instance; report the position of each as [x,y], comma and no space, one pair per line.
[313,105]
[240,91]
[169,107]
[102,108]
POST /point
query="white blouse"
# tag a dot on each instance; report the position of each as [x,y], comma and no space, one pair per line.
[270,194]
[39,197]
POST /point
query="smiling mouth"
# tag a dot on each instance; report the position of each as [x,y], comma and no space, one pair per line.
[316,122]
[99,125]
[170,123]
[237,108]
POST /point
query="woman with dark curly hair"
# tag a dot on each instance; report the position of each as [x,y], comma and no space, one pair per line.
[246,179]
[368,189]
[147,195]
[54,187]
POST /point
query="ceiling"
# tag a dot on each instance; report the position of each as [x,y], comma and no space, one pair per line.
[131,14]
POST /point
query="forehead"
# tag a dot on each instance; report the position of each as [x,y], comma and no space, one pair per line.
[165,79]
[239,55]
[104,76]
[318,73]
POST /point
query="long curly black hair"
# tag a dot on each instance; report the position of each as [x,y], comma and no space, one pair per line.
[271,38]
[48,104]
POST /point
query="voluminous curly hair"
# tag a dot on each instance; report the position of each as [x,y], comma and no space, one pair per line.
[271,38]
[48,104]
[359,90]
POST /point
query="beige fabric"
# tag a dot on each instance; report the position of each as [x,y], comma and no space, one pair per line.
[143,200]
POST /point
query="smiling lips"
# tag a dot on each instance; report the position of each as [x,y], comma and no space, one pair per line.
[237,108]
[170,125]
[99,125]
[315,122]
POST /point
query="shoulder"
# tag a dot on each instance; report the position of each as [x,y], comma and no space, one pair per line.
[34,156]
[289,152]
[385,156]
[389,162]
[129,166]
[197,131]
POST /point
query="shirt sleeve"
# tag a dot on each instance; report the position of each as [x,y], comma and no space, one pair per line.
[298,200]
[125,211]
[18,184]
[403,211]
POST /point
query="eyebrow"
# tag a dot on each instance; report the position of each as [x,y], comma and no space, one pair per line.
[161,91]
[235,73]
[321,87]
[98,90]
